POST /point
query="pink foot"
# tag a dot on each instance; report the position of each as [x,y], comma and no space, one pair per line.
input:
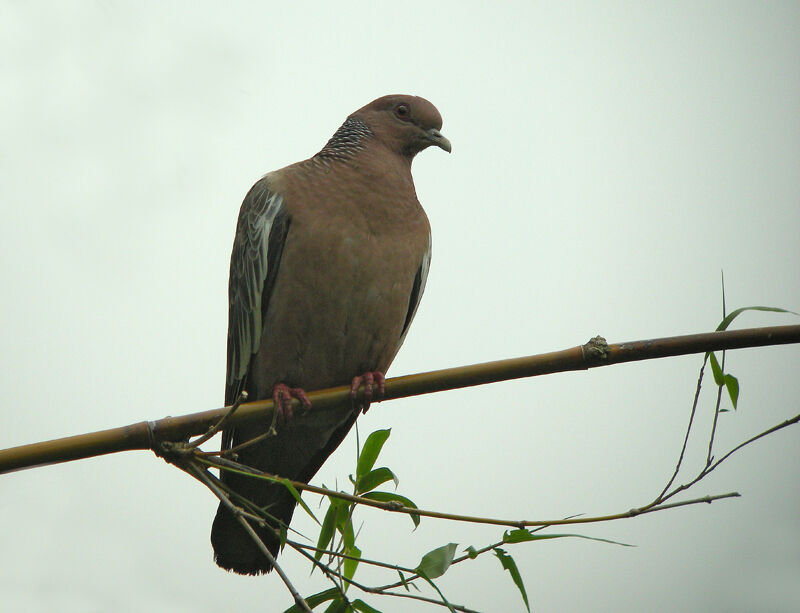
[282,398]
[368,379]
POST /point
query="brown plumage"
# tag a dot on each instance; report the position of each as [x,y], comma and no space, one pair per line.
[328,265]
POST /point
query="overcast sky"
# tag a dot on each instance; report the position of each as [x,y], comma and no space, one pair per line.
[609,159]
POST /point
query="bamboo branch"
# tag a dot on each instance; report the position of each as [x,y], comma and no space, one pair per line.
[204,478]
[149,434]
[395,507]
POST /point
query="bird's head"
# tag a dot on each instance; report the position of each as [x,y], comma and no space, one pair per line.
[405,124]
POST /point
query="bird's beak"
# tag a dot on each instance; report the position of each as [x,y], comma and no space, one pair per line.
[437,138]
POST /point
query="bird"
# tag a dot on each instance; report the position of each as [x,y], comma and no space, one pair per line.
[329,262]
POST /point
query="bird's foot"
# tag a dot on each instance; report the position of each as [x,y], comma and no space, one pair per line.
[282,396]
[368,379]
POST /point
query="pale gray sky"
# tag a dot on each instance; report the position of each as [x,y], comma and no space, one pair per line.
[609,159]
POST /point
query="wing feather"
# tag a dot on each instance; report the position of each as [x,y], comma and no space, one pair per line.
[260,236]
[420,279]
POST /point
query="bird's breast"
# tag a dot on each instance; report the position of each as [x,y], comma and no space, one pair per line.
[340,299]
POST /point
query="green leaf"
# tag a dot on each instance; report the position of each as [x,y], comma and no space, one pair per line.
[293,490]
[369,453]
[339,503]
[733,315]
[730,382]
[284,535]
[391,496]
[360,605]
[436,562]
[472,552]
[716,369]
[374,478]
[508,564]
[337,606]
[350,566]
[403,581]
[519,536]
[344,524]
[327,530]
[732,385]
[315,600]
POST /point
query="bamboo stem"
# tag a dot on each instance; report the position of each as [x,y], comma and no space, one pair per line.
[148,435]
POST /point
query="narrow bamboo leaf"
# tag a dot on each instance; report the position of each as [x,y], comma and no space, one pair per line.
[436,562]
[363,607]
[315,600]
[518,536]
[338,502]
[345,528]
[341,518]
[391,496]
[734,314]
[351,565]
[338,606]
[716,369]
[508,564]
[369,453]
[403,581]
[732,384]
[374,478]
[472,552]
[293,490]
[284,536]
[327,530]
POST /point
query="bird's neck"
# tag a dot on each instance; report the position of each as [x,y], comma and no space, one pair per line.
[355,146]
[348,140]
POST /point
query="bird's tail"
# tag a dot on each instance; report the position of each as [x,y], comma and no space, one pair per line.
[234,547]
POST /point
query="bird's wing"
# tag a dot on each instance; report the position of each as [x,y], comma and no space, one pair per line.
[416,290]
[260,237]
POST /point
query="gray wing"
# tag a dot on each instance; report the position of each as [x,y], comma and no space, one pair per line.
[260,236]
[416,291]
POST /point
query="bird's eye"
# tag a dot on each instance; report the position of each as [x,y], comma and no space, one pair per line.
[402,111]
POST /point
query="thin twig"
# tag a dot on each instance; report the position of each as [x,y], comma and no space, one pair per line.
[326,570]
[338,554]
[221,423]
[192,469]
[414,576]
[258,514]
[780,426]
[378,591]
[656,505]
[457,607]
[703,473]
[685,438]
[271,431]
[709,456]
[514,523]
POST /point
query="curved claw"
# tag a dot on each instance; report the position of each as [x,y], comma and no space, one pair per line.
[368,380]
[282,396]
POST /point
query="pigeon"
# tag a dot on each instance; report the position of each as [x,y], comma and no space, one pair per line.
[329,263]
